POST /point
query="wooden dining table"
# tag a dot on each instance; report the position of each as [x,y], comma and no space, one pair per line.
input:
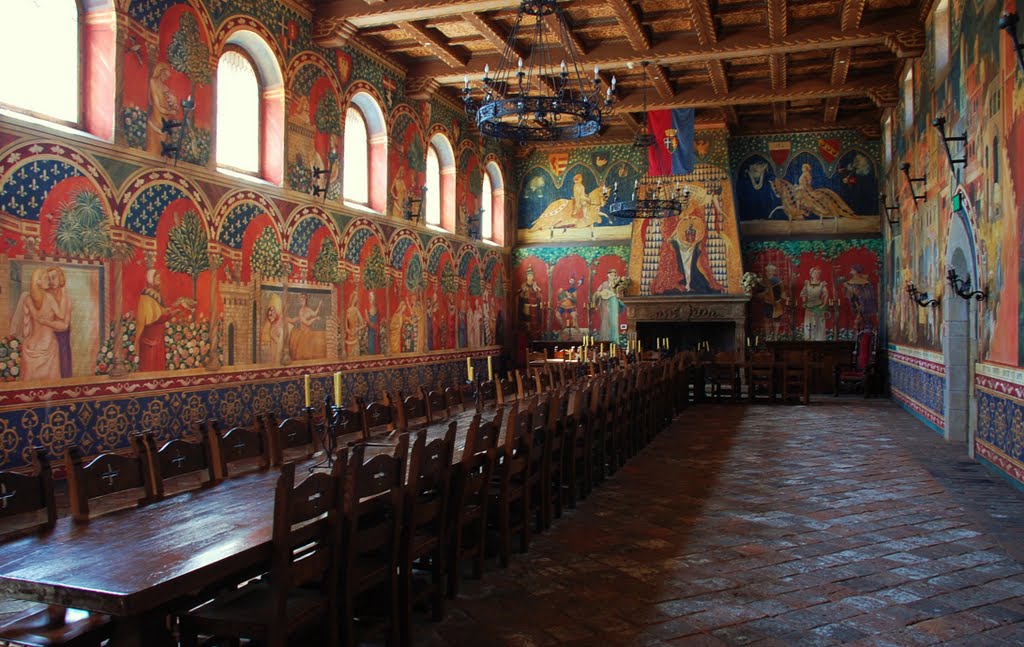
[141,563]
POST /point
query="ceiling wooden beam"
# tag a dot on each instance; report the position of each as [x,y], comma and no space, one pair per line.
[333,32]
[840,65]
[716,72]
[778,19]
[703,21]
[491,32]
[433,41]
[778,71]
[852,13]
[761,92]
[831,110]
[729,116]
[687,50]
[629,20]
[660,80]
[779,114]
[362,15]
[555,29]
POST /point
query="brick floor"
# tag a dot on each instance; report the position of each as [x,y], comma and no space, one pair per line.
[846,522]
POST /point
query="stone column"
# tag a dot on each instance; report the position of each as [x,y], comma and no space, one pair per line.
[286,270]
[213,362]
[120,252]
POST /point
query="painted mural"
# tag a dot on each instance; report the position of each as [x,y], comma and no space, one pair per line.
[564,293]
[806,183]
[817,290]
[194,294]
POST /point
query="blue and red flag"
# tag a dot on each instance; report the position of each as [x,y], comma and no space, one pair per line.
[672,151]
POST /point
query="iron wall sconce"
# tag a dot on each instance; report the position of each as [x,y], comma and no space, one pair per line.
[962,287]
[1008,23]
[905,167]
[321,190]
[921,298]
[473,223]
[940,125]
[179,127]
[894,223]
[407,209]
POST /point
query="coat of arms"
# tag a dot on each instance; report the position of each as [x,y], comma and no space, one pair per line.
[670,140]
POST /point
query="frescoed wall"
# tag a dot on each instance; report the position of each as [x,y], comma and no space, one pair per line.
[818,290]
[141,293]
[806,183]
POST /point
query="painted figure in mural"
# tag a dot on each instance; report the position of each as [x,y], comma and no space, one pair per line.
[272,333]
[863,302]
[432,323]
[303,341]
[581,211]
[529,304]
[815,299]
[163,104]
[772,292]
[567,314]
[683,264]
[473,324]
[487,319]
[608,306]
[62,323]
[33,323]
[151,317]
[373,325]
[802,200]
[355,327]
[399,194]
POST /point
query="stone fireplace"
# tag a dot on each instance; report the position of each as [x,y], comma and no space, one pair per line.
[719,319]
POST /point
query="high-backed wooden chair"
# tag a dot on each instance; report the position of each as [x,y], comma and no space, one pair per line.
[178,465]
[509,496]
[437,406]
[120,477]
[461,398]
[724,375]
[761,376]
[507,391]
[345,424]
[290,440]
[379,418]
[555,467]
[240,449]
[795,378]
[413,412]
[29,506]
[424,532]
[487,395]
[525,386]
[862,372]
[300,593]
[470,479]
[374,498]
[542,379]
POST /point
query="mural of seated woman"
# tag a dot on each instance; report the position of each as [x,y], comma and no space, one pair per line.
[683,264]
[304,342]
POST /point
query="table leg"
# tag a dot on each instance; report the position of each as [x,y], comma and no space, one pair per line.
[149,630]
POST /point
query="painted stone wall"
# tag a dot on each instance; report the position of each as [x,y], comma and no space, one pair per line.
[142,294]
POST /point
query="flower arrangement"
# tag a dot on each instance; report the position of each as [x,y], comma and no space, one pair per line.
[620,284]
[749,281]
[10,358]
[135,120]
[105,357]
[188,343]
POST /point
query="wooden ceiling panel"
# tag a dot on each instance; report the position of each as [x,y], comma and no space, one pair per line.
[772,62]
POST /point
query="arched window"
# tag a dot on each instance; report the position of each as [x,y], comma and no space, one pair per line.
[356,158]
[432,206]
[250,108]
[440,198]
[40,47]
[492,200]
[238,113]
[486,208]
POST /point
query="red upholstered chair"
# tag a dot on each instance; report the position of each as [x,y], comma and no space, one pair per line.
[863,372]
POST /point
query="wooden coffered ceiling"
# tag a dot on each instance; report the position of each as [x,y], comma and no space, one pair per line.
[754,65]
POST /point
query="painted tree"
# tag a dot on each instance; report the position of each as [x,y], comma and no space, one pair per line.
[325,267]
[266,255]
[448,285]
[414,275]
[416,156]
[328,115]
[476,286]
[374,274]
[83,230]
[188,54]
[187,249]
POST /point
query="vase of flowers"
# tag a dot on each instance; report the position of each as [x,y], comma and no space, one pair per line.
[749,281]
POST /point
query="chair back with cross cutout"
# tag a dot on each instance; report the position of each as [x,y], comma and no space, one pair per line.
[27,501]
[105,476]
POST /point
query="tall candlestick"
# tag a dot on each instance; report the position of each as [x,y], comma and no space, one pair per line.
[337,388]
[490,369]
[469,369]
[470,373]
[306,388]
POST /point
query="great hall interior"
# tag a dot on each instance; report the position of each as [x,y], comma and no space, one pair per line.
[623,322]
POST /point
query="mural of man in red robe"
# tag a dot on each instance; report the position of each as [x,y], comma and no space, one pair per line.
[150,319]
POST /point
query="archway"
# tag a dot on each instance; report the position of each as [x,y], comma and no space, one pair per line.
[960,338]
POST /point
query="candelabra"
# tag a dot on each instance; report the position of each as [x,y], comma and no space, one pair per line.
[962,287]
[921,298]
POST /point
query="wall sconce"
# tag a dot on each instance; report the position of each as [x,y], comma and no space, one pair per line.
[905,167]
[1008,23]
[894,223]
[407,208]
[332,159]
[921,298]
[940,125]
[168,149]
[962,287]
[473,223]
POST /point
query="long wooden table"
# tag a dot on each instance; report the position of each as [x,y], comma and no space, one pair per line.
[136,564]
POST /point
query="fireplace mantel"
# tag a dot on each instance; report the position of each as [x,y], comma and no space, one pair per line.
[691,309]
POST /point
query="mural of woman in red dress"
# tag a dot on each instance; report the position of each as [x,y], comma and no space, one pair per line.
[151,317]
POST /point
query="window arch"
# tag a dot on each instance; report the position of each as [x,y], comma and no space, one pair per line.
[440,199]
[250,108]
[46,32]
[364,158]
[492,203]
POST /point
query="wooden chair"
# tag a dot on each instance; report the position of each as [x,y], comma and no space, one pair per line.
[290,434]
[525,386]
[241,449]
[487,395]
[375,495]
[862,372]
[300,593]
[345,424]
[461,398]
[761,376]
[413,412]
[509,493]
[470,480]
[542,380]
[103,476]
[795,378]
[424,533]
[437,406]
[555,467]
[578,441]
[724,375]
[379,418]
[29,506]
[183,464]
[507,391]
